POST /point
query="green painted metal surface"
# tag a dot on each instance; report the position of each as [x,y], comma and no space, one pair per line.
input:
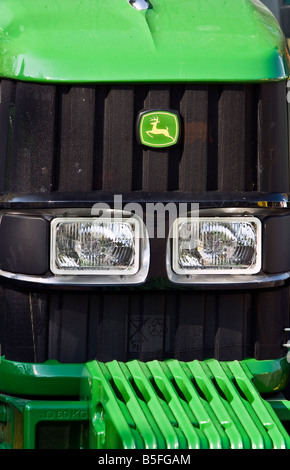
[135,405]
[269,376]
[175,405]
[56,379]
[99,41]
[37,424]
[36,412]
[50,378]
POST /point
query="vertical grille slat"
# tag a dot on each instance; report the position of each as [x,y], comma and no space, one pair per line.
[7,112]
[193,165]
[100,97]
[190,329]
[251,136]
[155,161]
[118,139]
[273,169]
[33,144]
[76,144]
[231,134]
[231,334]
[212,154]
[83,138]
[175,153]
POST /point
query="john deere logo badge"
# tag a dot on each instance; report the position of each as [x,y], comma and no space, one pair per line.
[156,128]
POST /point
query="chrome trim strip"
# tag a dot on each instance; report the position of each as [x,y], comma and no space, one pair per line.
[140,4]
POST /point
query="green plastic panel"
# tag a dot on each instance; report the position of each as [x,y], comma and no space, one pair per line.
[100,41]
[175,405]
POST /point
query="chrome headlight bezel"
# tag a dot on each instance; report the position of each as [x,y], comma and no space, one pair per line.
[177,274]
[137,275]
[95,224]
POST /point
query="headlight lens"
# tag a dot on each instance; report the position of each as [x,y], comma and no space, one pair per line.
[216,246]
[91,246]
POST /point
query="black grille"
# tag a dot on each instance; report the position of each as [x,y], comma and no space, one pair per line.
[82,138]
[61,138]
[75,327]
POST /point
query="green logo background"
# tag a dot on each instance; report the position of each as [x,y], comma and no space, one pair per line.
[158,128]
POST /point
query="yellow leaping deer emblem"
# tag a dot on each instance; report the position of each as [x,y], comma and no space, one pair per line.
[156,131]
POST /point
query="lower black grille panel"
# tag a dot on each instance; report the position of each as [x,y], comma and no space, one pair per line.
[76,327]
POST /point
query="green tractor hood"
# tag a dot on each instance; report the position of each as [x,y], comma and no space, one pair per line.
[110,41]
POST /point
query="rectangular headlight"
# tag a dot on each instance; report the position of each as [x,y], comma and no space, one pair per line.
[216,245]
[92,246]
